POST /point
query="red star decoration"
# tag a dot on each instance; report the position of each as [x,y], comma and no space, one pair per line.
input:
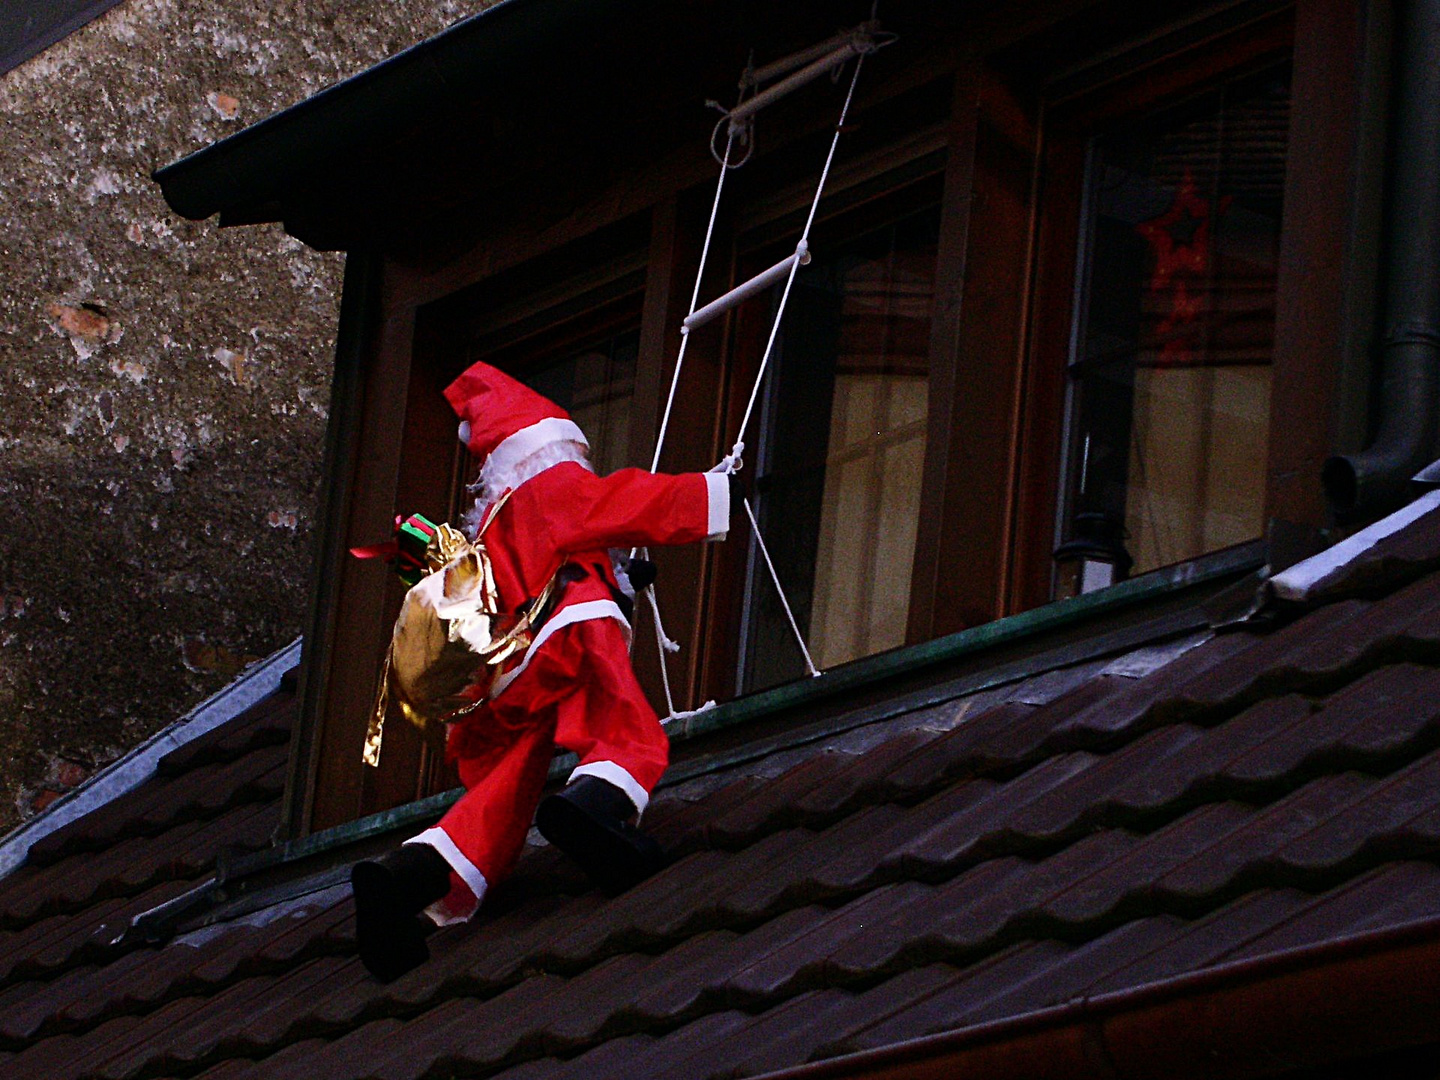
[1181,240]
[1181,237]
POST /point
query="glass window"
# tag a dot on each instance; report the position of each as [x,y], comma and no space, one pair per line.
[596,385]
[1175,323]
[839,468]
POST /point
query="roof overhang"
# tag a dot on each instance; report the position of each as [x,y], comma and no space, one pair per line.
[504,90]
[29,27]
[526,88]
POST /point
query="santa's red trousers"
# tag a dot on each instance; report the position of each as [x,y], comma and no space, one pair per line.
[577,691]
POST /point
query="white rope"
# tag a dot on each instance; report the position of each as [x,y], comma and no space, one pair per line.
[799,639]
[694,302]
[801,247]
[688,714]
[733,461]
[663,645]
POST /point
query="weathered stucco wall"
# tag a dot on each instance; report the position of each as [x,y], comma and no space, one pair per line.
[163,383]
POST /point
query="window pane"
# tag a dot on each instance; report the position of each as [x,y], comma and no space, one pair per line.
[596,386]
[839,471]
[1174,342]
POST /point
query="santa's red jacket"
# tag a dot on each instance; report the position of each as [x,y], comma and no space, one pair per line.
[574,687]
[568,514]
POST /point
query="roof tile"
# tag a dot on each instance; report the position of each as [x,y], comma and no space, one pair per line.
[1386,896]
[772,807]
[1088,830]
[792,1033]
[912,932]
[1206,941]
[985,826]
[1248,852]
[1369,722]
[1375,818]
[682,827]
[1190,768]
[799,960]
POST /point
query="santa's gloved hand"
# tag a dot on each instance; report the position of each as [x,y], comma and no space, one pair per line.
[641,573]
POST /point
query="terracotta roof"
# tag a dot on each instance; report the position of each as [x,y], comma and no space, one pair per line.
[1112,826]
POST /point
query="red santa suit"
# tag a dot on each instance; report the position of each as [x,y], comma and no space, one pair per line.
[574,686]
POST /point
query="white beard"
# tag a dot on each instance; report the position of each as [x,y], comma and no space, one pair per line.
[492,482]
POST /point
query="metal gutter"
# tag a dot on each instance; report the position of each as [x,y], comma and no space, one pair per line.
[1303,1007]
[253,686]
[1377,478]
[853,677]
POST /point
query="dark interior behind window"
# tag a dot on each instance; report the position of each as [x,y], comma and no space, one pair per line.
[839,466]
[1175,325]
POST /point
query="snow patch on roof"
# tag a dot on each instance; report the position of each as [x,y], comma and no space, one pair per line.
[1308,579]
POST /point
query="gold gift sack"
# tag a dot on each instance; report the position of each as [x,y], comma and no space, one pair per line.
[450,639]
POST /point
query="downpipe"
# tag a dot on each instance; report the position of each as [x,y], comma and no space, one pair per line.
[1377,479]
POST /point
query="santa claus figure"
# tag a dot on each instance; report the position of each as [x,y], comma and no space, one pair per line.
[548,521]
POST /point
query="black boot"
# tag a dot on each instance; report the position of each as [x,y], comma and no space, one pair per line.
[390,893]
[589,821]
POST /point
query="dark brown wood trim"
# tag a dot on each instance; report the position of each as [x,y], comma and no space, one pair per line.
[1253,45]
[674,252]
[971,509]
[424,484]
[1069,126]
[1040,453]
[371,592]
[1312,289]
[946,412]
[354,366]
[524,235]
[687,575]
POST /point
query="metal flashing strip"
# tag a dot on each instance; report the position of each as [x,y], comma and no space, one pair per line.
[1015,628]
[1176,630]
[254,685]
[301,906]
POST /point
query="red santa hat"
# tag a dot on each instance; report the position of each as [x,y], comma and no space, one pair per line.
[504,420]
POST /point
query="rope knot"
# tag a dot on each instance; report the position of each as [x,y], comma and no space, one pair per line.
[732,462]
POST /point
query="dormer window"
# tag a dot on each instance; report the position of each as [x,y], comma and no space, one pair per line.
[1043,316]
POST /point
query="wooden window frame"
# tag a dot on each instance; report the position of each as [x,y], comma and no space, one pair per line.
[1072,122]
[1318,304]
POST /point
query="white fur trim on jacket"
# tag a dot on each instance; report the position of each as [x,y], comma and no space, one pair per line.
[516,448]
[494,482]
[617,775]
[566,616]
[717,491]
[440,840]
